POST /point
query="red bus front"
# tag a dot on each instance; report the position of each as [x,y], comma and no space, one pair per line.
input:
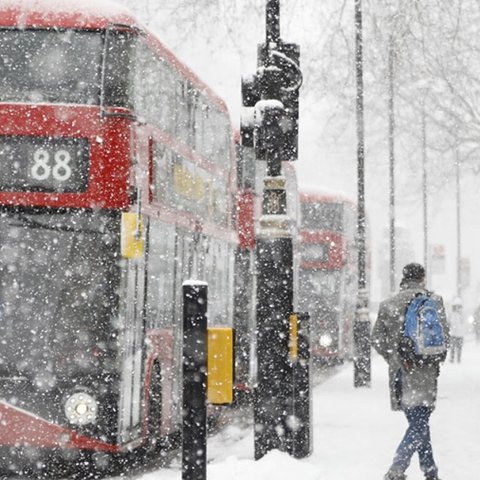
[71,360]
[101,127]
[65,164]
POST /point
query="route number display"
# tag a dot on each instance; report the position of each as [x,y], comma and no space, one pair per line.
[44,164]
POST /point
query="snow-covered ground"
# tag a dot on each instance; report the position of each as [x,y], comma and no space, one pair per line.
[355,433]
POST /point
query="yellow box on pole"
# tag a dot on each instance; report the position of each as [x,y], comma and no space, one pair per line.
[132,235]
[220,365]
[293,341]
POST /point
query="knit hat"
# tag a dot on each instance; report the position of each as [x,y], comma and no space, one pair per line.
[413,271]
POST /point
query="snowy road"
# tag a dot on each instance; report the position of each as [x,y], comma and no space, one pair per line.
[355,433]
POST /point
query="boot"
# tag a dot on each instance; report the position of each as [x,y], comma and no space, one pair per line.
[393,474]
[431,476]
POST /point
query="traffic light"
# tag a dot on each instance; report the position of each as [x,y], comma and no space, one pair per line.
[268,133]
[250,97]
[270,99]
[288,56]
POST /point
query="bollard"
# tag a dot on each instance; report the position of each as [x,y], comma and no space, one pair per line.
[299,421]
[194,428]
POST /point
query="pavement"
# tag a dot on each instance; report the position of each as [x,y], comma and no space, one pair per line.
[355,433]
[358,438]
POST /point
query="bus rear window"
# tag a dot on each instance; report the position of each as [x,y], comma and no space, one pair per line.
[50,66]
[322,216]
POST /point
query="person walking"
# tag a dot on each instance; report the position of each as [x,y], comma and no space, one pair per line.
[458,329]
[476,324]
[413,386]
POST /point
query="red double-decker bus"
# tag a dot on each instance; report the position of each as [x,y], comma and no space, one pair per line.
[117,184]
[328,273]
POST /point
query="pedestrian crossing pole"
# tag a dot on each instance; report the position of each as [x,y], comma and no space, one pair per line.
[271,129]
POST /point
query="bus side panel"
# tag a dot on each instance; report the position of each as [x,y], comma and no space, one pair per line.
[132,344]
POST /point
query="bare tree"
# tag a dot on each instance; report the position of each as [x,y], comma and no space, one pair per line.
[434,44]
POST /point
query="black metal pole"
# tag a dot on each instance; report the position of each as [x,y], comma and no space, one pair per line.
[274,306]
[273,21]
[194,432]
[361,325]
[274,252]
[272,129]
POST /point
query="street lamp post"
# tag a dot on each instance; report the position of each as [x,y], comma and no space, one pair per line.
[424,189]
[361,325]
[391,155]
[459,250]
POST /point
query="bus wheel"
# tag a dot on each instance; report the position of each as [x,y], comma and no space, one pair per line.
[155,412]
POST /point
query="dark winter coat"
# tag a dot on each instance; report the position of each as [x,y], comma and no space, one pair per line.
[413,385]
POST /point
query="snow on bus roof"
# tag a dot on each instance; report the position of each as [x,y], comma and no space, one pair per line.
[85,8]
[194,283]
[88,14]
[315,195]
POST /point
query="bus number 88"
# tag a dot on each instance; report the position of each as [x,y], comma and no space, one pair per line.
[42,169]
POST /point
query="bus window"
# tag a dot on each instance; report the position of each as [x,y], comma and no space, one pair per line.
[322,216]
[118,83]
[42,66]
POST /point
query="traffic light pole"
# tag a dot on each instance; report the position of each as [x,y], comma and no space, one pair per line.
[272,396]
[275,276]
[272,130]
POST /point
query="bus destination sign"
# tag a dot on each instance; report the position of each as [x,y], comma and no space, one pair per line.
[44,164]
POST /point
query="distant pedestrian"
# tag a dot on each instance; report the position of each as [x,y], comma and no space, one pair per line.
[476,324]
[413,385]
[458,329]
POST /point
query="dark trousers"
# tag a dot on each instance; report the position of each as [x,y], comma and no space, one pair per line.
[416,439]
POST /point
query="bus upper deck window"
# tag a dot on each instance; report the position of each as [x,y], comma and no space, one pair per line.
[118,69]
[50,66]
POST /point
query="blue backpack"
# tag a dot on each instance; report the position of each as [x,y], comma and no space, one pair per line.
[423,340]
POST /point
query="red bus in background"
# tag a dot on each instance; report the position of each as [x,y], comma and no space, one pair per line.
[328,273]
[117,184]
